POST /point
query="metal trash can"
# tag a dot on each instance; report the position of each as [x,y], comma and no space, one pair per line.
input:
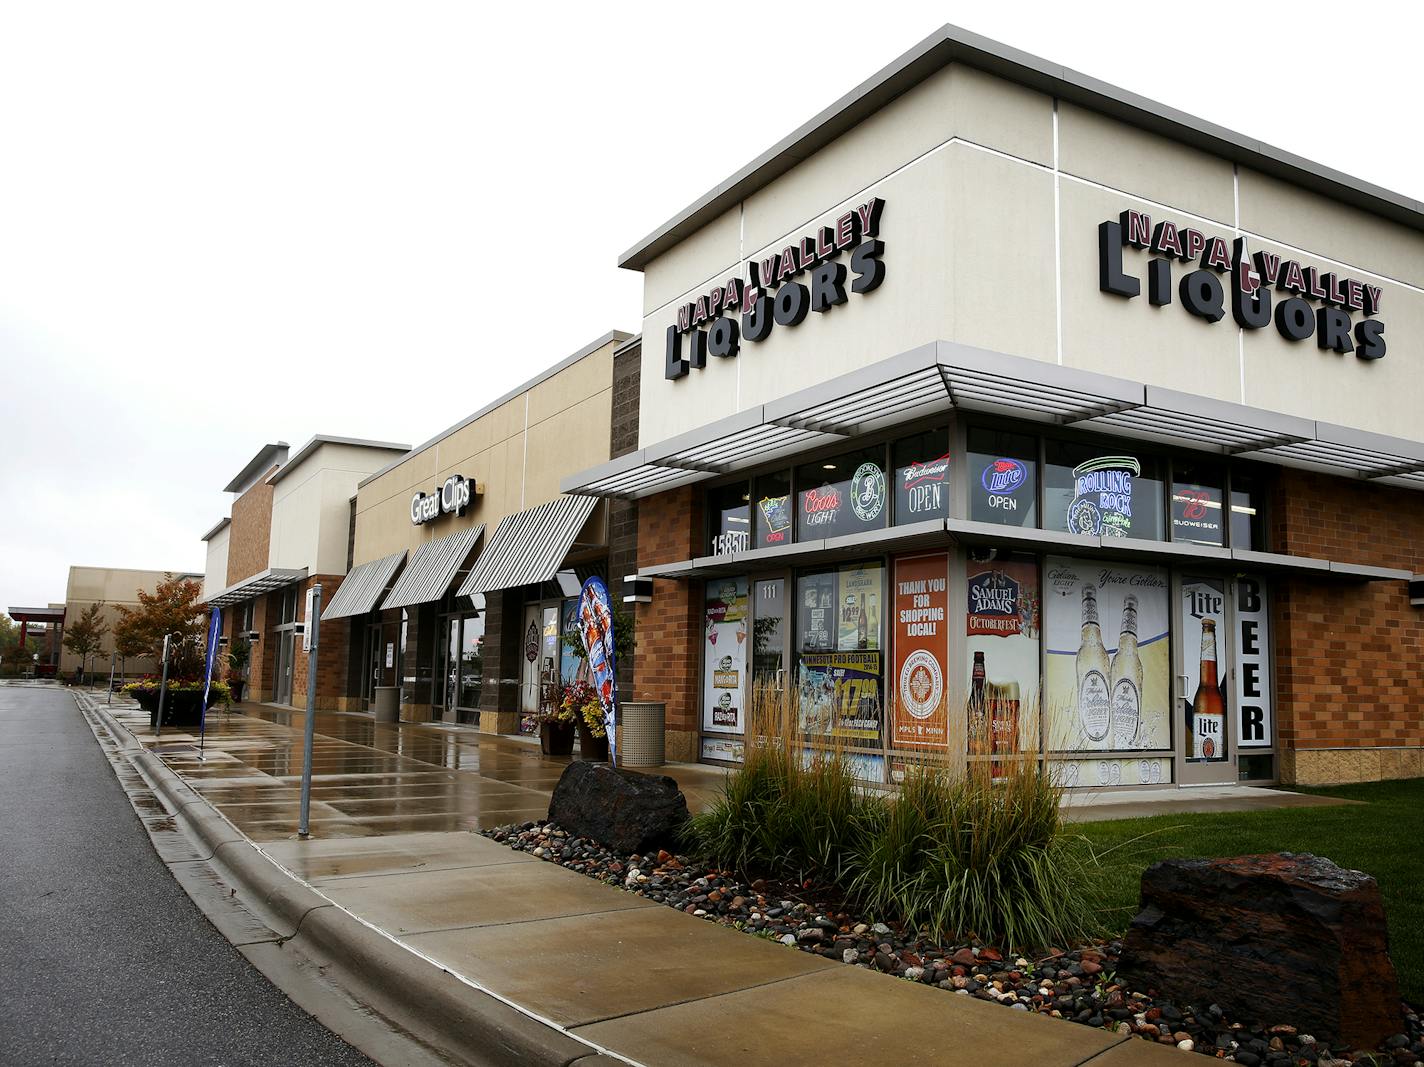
[387,703]
[642,733]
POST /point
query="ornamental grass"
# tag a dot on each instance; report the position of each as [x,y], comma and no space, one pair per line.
[954,853]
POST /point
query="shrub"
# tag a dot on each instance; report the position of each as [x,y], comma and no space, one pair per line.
[953,853]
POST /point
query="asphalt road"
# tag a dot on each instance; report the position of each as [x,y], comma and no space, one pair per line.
[103,957]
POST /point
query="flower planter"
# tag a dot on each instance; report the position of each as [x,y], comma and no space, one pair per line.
[182,707]
[591,748]
[556,738]
[237,685]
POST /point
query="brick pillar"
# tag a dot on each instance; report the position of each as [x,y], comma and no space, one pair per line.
[419,655]
[330,653]
[499,692]
[262,667]
[667,658]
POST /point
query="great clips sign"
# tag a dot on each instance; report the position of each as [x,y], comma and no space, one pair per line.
[1259,289]
[717,323]
[452,498]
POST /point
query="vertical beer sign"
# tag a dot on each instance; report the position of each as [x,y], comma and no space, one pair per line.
[920,648]
[1001,628]
[1204,701]
[1252,687]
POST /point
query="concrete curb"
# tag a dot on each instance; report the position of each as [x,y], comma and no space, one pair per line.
[461,1022]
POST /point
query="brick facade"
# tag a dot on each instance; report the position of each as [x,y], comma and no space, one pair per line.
[666,661]
[331,651]
[1348,670]
[250,535]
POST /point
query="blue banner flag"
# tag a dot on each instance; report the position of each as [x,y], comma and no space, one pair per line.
[214,628]
[596,629]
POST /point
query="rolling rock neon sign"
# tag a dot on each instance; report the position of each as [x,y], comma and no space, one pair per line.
[1203,294]
[742,310]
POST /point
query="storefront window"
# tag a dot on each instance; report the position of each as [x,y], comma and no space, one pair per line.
[1003,477]
[724,656]
[842,495]
[472,641]
[1102,491]
[1248,526]
[839,653]
[729,516]
[1107,687]
[774,514]
[1196,504]
[1002,623]
[922,476]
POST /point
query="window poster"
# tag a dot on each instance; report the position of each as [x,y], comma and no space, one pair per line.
[1102,496]
[1002,629]
[723,748]
[866,766]
[840,695]
[1252,657]
[1108,683]
[921,644]
[817,615]
[724,656]
[1146,770]
[859,605]
[1203,622]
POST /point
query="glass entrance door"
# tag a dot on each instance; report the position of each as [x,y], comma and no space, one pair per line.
[769,644]
[285,655]
[1206,719]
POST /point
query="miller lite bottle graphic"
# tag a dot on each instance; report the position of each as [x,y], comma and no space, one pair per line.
[1092,664]
[1208,714]
[1126,680]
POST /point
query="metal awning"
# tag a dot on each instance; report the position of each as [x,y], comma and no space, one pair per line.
[945,532]
[529,546]
[363,587]
[432,568]
[257,584]
[942,376]
[36,615]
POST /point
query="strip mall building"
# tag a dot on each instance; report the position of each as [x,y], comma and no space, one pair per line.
[998,407]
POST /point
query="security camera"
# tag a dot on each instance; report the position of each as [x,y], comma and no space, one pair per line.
[982,554]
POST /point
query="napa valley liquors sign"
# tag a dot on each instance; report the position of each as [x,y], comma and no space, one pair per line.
[780,290]
[1213,275]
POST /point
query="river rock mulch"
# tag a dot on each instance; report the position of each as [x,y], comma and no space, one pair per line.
[1076,984]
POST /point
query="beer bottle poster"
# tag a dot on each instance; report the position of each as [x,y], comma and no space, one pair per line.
[1108,666]
[1203,708]
[1001,624]
[724,655]
[859,606]
[1252,652]
[920,643]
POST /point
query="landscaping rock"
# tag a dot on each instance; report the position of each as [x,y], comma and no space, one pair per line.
[627,811]
[1268,938]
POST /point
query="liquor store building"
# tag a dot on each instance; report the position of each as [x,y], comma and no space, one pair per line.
[999,409]
[467,560]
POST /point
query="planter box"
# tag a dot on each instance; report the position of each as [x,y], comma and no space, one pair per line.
[181,708]
[556,738]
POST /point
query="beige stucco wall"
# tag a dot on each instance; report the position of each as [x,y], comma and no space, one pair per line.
[114,587]
[984,228]
[517,453]
[311,506]
[215,571]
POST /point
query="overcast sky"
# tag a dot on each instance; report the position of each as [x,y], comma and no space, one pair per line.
[222,225]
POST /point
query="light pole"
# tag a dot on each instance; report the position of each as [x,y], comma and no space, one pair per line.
[163,685]
[112,658]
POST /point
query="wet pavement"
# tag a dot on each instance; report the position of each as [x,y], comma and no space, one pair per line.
[104,959]
[369,778]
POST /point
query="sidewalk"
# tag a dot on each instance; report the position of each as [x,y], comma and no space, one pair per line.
[618,974]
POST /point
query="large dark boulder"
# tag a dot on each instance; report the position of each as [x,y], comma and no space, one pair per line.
[1281,938]
[627,811]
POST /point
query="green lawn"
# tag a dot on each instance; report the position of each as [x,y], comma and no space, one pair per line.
[1382,836]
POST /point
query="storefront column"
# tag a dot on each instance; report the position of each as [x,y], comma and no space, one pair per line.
[499,691]
[419,660]
[666,663]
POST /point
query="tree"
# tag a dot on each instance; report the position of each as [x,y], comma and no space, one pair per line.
[11,657]
[176,608]
[85,635]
